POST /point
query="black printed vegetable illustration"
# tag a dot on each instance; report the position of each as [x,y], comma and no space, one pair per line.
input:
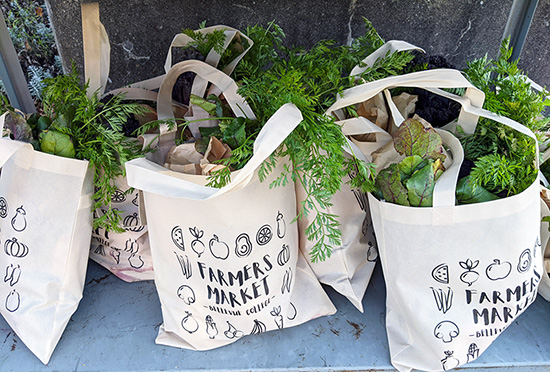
[232,332]
[469,277]
[443,299]
[3,208]
[177,237]
[287,281]
[13,301]
[258,327]
[131,223]
[185,265]
[264,235]
[186,294]
[446,331]
[132,246]
[441,273]
[118,196]
[219,249]
[281,225]
[189,323]
[473,352]
[498,270]
[13,273]
[276,312]
[284,255]
[19,222]
[449,362]
[293,313]
[196,245]
[211,328]
[115,253]
[411,181]
[135,200]
[524,261]
[135,261]
[100,249]
[243,245]
[15,249]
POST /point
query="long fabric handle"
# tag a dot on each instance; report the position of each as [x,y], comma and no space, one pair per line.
[388,48]
[440,78]
[208,73]
[97,50]
[150,177]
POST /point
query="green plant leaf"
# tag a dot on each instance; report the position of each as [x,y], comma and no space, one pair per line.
[234,134]
[413,139]
[204,104]
[420,186]
[57,143]
[411,164]
[389,183]
[467,193]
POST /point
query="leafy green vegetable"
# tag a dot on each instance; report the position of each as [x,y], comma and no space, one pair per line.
[96,132]
[57,143]
[504,160]
[411,181]
[466,193]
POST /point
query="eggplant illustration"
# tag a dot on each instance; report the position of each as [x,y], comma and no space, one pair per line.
[189,323]
[19,221]
[211,328]
[13,301]
[258,327]
[281,225]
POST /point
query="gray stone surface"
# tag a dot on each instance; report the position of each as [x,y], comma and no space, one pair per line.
[536,51]
[140,31]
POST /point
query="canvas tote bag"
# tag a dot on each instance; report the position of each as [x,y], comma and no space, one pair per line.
[230,260]
[350,267]
[456,276]
[127,254]
[544,287]
[45,229]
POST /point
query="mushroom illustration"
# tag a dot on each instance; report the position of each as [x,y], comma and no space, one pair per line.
[446,331]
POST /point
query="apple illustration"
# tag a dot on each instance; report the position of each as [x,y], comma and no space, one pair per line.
[220,250]
[498,270]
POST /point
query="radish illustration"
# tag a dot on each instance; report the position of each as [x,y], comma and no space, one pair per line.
[469,277]
[196,245]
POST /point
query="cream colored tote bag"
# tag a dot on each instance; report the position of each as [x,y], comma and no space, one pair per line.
[230,260]
[45,229]
[456,276]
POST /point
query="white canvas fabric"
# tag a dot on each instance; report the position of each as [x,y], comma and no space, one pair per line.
[544,287]
[230,260]
[350,266]
[127,254]
[456,276]
[45,229]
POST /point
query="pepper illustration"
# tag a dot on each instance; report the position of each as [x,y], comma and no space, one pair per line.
[132,246]
[211,328]
[19,222]
[13,273]
[197,245]
[281,225]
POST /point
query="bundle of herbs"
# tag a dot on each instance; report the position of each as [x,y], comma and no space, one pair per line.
[500,161]
[272,74]
[74,125]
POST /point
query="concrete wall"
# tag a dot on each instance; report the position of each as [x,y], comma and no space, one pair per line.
[141,30]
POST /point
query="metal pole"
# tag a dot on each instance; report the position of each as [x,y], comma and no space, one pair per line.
[11,73]
[517,26]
